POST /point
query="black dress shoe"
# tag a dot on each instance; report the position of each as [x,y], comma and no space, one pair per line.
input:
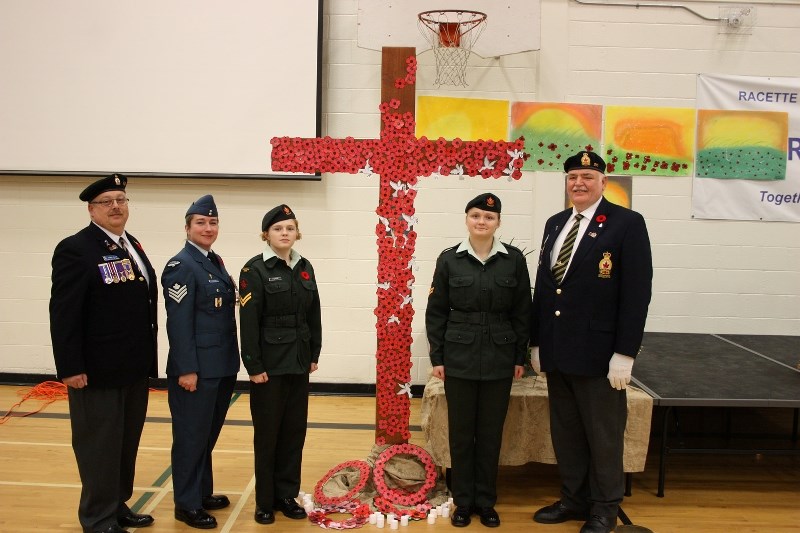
[218,501]
[111,529]
[135,520]
[264,517]
[289,508]
[557,513]
[599,524]
[461,516]
[489,516]
[197,518]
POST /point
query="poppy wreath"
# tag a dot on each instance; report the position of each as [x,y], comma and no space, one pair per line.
[359,511]
[418,512]
[320,496]
[398,496]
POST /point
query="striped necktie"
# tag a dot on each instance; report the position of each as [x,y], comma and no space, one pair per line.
[560,268]
[133,261]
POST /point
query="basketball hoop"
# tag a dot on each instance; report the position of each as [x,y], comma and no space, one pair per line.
[451,35]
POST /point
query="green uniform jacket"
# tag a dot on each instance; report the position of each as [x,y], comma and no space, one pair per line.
[478,314]
[279,317]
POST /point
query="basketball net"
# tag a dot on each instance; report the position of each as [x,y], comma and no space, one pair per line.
[451,35]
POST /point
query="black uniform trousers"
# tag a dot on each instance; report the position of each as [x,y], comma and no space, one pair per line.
[476,412]
[587,424]
[106,428]
[197,419]
[279,409]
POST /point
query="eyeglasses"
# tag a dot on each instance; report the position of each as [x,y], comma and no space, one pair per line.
[111,201]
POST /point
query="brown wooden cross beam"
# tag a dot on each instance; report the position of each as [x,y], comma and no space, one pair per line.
[399,158]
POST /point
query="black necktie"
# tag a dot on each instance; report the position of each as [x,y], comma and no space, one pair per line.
[215,259]
[560,268]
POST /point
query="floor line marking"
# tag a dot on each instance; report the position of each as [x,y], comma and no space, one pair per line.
[237,509]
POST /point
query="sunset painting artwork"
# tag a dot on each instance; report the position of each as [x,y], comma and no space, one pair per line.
[555,131]
[649,141]
[749,145]
[468,119]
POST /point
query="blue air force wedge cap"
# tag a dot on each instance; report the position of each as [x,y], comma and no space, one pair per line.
[114,182]
[585,160]
[486,202]
[203,206]
[278,213]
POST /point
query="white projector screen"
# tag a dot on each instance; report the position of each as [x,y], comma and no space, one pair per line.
[155,87]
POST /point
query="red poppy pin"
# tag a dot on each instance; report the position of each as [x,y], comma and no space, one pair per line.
[139,246]
[305,275]
[600,219]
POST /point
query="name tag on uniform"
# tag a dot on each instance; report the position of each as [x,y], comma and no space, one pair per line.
[275,279]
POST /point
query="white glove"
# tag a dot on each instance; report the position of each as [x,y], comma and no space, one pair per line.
[619,371]
[535,363]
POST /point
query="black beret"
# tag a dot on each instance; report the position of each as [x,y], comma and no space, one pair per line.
[485,202]
[585,160]
[276,214]
[203,206]
[114,182]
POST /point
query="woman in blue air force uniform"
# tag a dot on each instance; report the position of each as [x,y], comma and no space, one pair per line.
[203,361]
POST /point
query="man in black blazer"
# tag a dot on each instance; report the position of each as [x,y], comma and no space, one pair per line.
[592,291]
[103,328]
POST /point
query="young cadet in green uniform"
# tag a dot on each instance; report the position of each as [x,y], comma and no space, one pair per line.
[281,334]
[203,361]
[478,324]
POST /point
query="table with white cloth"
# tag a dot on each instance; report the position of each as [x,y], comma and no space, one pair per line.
[526,434]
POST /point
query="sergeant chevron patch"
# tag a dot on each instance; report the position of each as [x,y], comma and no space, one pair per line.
[244,299]
[177,292]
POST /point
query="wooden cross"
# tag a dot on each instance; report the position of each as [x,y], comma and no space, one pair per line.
[399,158]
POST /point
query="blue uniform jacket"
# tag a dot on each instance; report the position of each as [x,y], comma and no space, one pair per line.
[600,307]
[201,323]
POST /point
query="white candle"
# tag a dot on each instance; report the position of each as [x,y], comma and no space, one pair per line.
[432,517]
[445,511]
[373,518]
[404,520]
[393,524]
[390,517]
[380,520]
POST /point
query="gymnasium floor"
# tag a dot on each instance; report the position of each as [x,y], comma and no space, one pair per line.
[39,485]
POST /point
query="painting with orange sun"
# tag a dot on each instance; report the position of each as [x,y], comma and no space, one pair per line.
[555,131]
[649,141]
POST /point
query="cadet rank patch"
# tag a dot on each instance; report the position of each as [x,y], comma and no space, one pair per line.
[430,291]
[246,269]
[177,292]
[246,298]
[173,263]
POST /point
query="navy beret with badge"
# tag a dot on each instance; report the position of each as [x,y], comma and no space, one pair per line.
[114,182]
[585,160]
[277,214]
[485,202]
[203,206]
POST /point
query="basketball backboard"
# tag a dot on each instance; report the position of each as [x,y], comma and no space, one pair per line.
[512,26]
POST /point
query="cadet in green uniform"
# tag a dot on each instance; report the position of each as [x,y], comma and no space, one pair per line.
[281,334]
[477,322]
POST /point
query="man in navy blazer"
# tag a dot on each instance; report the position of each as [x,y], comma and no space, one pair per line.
[592,291]
[203,361]
[103,328]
